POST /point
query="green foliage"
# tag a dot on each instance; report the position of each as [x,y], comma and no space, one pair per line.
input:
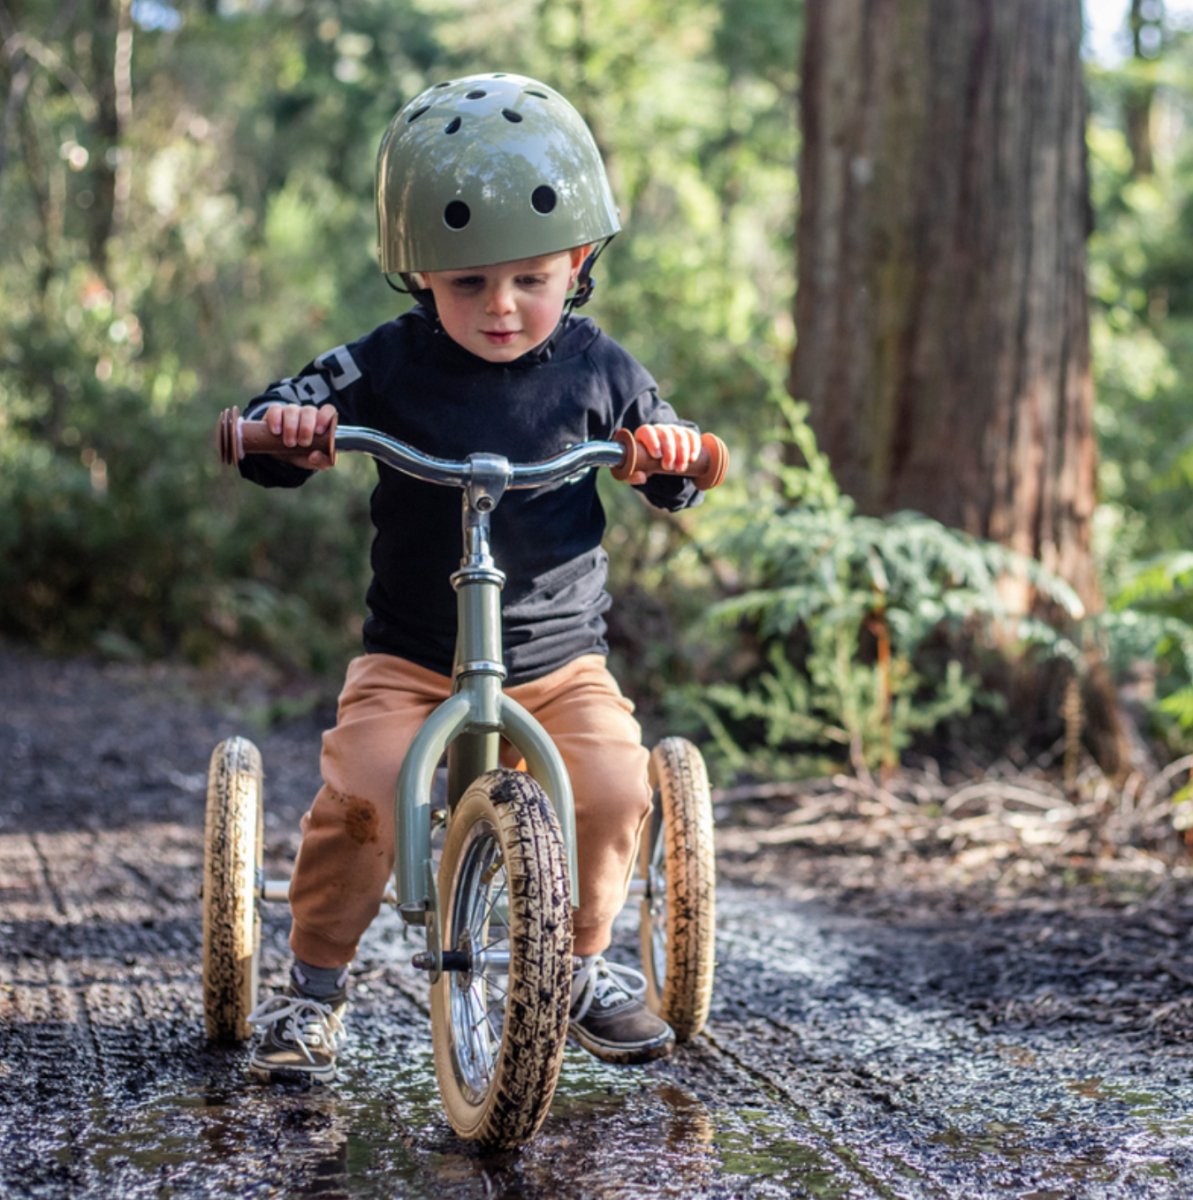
[170,257]
[1141,273]
[857,624]
[1141,268]
[1148,622]
[121,534]
[240,244]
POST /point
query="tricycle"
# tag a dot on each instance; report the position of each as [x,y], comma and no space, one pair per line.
[494,903]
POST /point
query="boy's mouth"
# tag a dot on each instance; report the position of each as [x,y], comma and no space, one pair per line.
[500,337]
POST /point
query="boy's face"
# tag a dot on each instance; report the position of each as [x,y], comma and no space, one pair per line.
[500,312]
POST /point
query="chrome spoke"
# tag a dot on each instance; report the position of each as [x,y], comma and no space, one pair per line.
[480,923]
[658,908]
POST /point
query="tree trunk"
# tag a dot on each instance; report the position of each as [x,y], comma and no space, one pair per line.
[943,332]
[1141,91]
[106,135]
[111,68]
[942,320]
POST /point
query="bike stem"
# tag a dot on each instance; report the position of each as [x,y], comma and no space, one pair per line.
[479,669]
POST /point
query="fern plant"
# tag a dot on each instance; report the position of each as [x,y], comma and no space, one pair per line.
[847,614]
[1150,620]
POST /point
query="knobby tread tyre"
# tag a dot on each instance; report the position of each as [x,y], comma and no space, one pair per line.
[678,937]
[505,814]
[231,863]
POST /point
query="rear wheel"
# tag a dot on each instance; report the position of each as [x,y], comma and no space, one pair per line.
[678,912]
[499,1023]
[231,867]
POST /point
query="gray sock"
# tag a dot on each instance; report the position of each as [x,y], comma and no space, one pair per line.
[318,982]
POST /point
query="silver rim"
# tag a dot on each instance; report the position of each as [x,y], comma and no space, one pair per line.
[656,892]
[479,928]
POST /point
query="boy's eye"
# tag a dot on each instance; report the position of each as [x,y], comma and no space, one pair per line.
[531,280]
[467,281]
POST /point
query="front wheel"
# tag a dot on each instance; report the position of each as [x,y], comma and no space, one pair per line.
[678,913]
[499,1017]
[231,866]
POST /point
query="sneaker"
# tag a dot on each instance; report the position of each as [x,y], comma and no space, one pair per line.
[300,1035]
[608,1016]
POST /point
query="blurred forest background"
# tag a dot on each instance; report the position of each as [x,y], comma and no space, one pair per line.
[187,214]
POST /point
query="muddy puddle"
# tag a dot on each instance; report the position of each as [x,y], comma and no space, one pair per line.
[814,1080]
[850,1053]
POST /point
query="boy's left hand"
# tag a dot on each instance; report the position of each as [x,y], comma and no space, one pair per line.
[675,446]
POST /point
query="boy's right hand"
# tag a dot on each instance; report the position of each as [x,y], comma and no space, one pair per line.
[297,425]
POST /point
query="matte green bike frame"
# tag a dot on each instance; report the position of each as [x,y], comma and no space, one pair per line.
[469,725]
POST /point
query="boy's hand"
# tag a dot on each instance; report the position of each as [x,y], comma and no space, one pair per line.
[297,425]
[675,446]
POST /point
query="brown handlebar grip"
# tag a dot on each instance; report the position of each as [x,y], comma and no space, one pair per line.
[706,472]
[236,437]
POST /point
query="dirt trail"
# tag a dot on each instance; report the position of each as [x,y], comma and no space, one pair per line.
[916,1039]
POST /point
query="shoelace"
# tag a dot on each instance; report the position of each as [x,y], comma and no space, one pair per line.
[309,1024]
[597,981]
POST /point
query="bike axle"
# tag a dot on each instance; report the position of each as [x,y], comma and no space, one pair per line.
[452,960]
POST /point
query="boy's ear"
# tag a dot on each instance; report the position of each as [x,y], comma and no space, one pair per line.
[578,255]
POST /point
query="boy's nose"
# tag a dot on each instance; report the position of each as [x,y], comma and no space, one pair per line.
[501,299]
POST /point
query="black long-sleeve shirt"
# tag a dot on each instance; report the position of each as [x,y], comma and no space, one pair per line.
[410,380]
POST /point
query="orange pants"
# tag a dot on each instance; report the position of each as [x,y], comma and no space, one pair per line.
[347,850]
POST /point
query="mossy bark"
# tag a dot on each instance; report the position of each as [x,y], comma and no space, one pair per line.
[942,315]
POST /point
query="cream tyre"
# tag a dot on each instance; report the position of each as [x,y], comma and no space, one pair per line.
[677,859]
[231,869]
[499,1028]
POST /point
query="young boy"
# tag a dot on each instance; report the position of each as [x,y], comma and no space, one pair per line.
[492,202]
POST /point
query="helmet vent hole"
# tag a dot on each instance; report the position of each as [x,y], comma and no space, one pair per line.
[543,199]
[452,126]
[510,115]
[418,112]
[457,214]
[540,95]
[477,95]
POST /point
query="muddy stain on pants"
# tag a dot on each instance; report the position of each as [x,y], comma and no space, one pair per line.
[347,850]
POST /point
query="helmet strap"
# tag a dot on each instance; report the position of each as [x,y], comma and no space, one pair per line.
[582,291]
[420,295]
[585,284]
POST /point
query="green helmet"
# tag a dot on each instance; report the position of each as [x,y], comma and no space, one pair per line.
[488,169]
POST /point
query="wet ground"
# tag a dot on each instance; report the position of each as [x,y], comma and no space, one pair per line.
[910,1036]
